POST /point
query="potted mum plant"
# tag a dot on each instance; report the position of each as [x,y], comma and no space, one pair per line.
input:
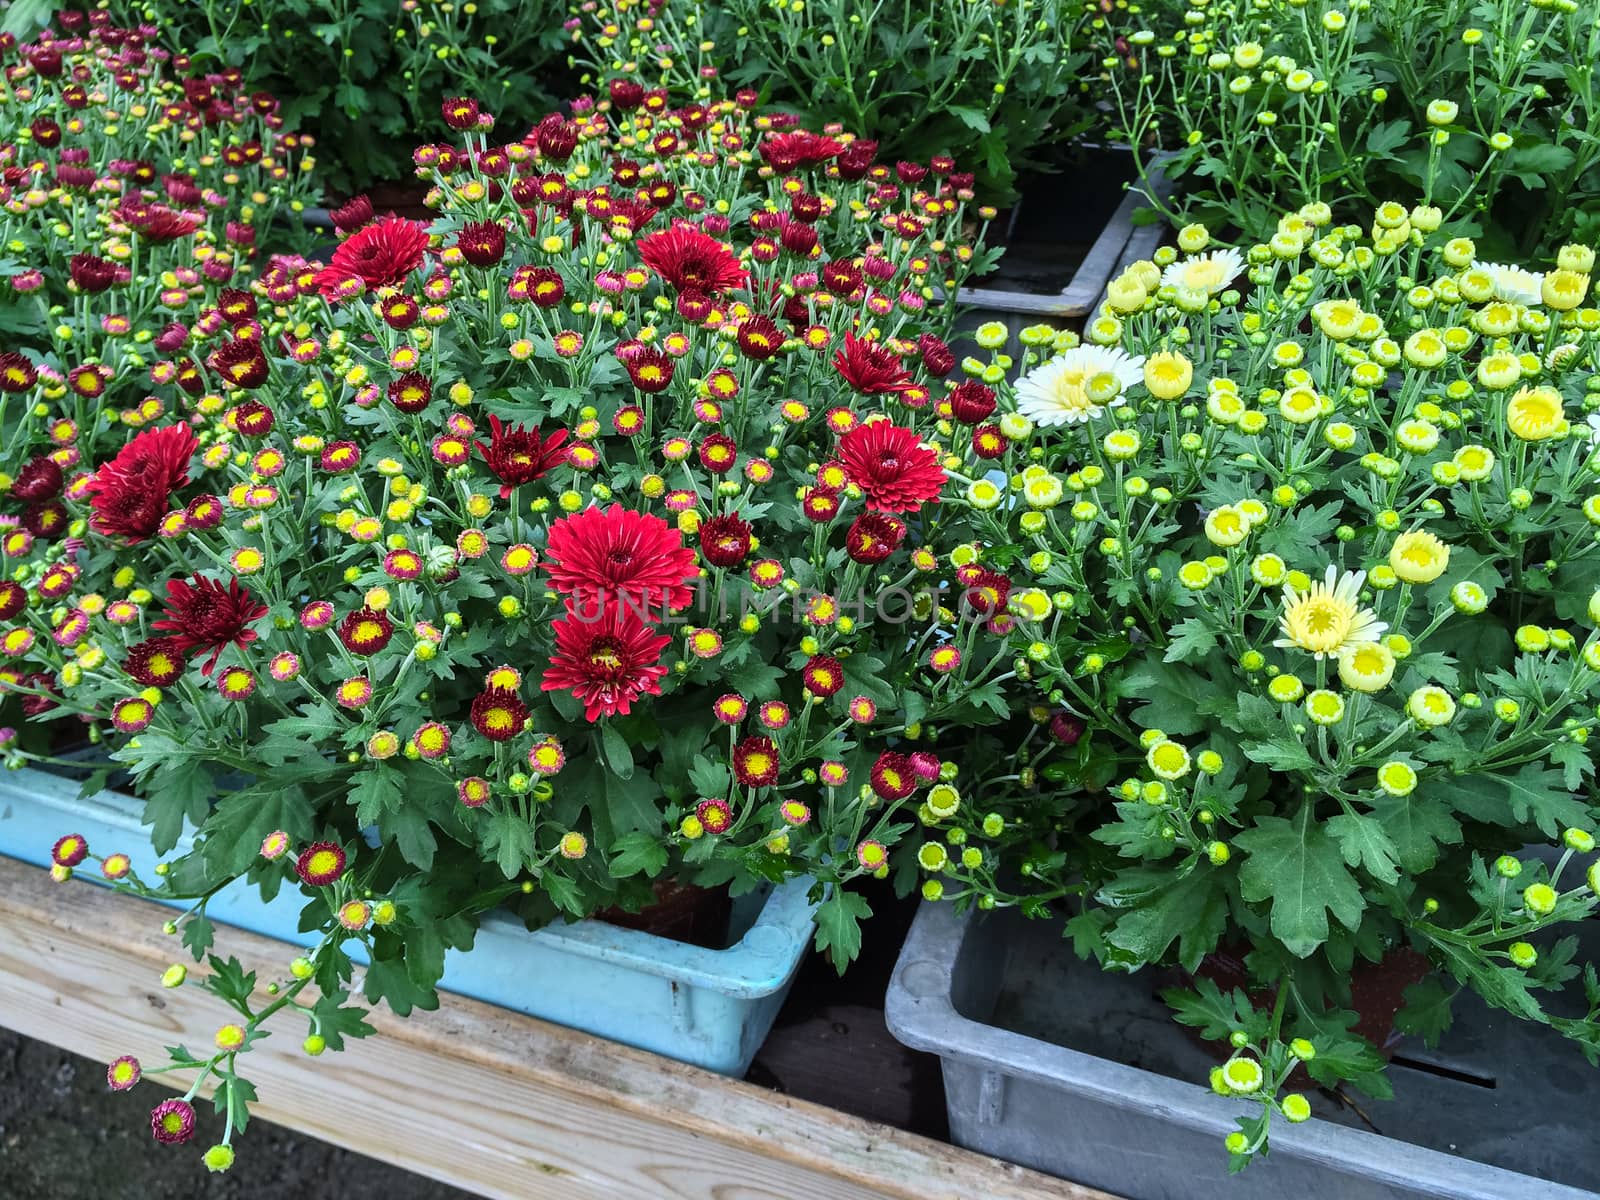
[1318,671]
[585,538]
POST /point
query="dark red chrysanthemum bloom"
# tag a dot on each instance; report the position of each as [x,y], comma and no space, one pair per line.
[518,455]
[891,466]
[715,816]
[759,337]
[989,442]
[365,631]
[650,369]
[893,776]
[379,255]
[203,615]
[460,112]
[725,541]
[410,393]
[841,276]
[13,599]
[783,152]
[626,95]
[937,358]
[499,714]
[821,505]
[692,261]
[971,402]
[1066,728]
[351,215]
[869,368]
[91,273]
[482,243]
[320,863]
[607,661]
[755,762]
[719,453]
[241,362]
[620,553]
[155,662]
[986,592]
[17,374]
[129,494]
[45,518]
[39,479]
[172,1122]
[203,512]
[157,223]
[254,419]
[823,675]
[236,304]
[873,537]
[340,458]
[69,851]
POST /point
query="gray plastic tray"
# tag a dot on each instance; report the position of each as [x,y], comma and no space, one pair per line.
[1053,1064]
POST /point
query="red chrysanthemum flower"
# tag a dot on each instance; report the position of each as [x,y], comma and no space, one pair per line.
[204,615]
[241,362]
[70,850]
[719,453]
[482,243]
[499,713]
[692,261]
[986,592]
[894,470]
[155,662]
[172,1122]
[254,419]
[39,479]
[873,537]
[823,675]
[129,494]
[123,1073]
[725,540]
[351,215]
[715,816]
[821,505]
[620,553]
[937,358]
[971,402]
[320,863]
[17,374]
[783,152]
[650,369]
[869,368]
[759,337]
[365,631]
[520,455]
[893,776]
[989,442]
[607,663]
[755,762]
[13,599]
[379,255]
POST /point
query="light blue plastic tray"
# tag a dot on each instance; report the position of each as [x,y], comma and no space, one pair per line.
[712,1008]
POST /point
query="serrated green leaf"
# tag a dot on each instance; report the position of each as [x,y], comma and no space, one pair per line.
[1417,825]
[839,926]
[638,853]
[1294,866]
[1191,909]
[1364,843]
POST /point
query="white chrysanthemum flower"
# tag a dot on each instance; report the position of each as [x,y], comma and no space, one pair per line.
[1513,283]
[1327,616]
[1206,273]
[1077,385]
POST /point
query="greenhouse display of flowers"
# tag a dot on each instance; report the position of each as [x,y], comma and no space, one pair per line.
[652,516]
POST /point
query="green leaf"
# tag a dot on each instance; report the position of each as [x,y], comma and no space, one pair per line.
[638,853]
[1535,795]
[198,934]
[390,981]
[1364,843]
[708,778]
[1191,638]
[1191,910]
[375,792]
[1427,1010]
[233,1098]
[229,980]
[1417,826]
[839,926]
[233,833]
[1175,699]
[1299,870]
[510,840]
[617,751]
[1213,1012]
[565,892]
[970,117]
[335,1022]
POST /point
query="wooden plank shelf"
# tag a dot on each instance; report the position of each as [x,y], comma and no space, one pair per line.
[471,1095]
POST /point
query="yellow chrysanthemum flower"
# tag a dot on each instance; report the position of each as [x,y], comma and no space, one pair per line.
[1419,556]
[1535,413]
[1366,666]
[1325,617]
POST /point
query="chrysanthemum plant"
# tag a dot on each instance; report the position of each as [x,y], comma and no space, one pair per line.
[995,85]
[1309,537]
[589,537]
[1483,108]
